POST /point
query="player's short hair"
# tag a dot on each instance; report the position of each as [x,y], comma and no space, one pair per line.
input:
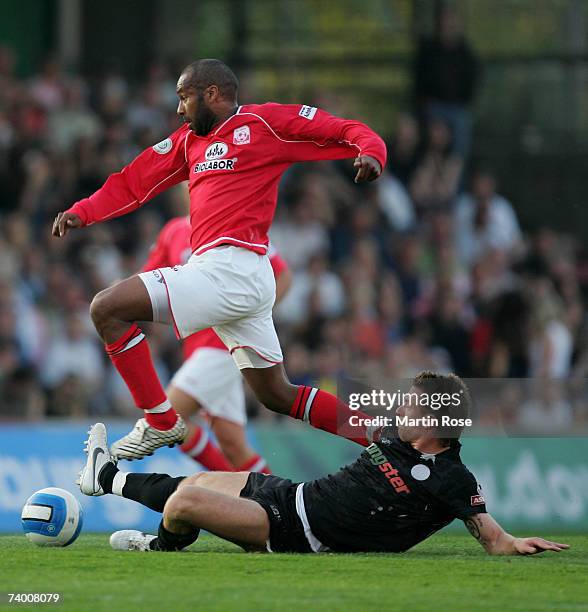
[205,72]
[459,406]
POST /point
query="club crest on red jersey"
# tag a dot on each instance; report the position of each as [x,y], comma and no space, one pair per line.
[242,135]
[216,150]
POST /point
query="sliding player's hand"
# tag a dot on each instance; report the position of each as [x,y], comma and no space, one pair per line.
[64,222]
[532,546]
[368,169]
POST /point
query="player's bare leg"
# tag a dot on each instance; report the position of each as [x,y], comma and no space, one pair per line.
[234,452]
[207,500]
[318,408]
[233,442]
[272,387]
[211,501]
[114,312]
[114,309]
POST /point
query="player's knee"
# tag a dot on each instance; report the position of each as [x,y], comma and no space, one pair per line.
[195,479]
[101,310]
[177,507]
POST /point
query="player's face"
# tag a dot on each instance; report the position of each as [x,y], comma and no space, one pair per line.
[193,108]
[412,410]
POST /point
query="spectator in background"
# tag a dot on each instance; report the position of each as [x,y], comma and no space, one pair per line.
[447,331]
[485,221]
[74,119]
[510,324]
[395,203]
[48,87]
[316,286]
[547,411]
[364,222]
[436,178]
[75,354]
[404,359]
[300,235]
[551,343]
[403,151]
[407,258]
[390,309]
[445,77]
[20,395]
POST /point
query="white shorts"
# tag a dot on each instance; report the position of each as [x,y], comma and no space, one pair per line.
[210,376]
[228,288]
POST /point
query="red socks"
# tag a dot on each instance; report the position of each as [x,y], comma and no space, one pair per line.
[255,464]
[324,411]
[131,357]
[199,447]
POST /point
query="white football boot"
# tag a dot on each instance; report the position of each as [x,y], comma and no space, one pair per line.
[131,539]
[144,439]
[98,455]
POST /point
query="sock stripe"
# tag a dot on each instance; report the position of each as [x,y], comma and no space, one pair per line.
[196,444]
[118,483]
[117,345]
[258,465]
[130,344]
[300,408]
[308,405]
[163,407]
[296,404]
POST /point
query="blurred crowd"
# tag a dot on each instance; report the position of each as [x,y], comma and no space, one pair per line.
[427,268]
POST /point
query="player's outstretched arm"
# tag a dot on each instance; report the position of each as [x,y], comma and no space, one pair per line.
[308,133]
[151,172]
[496,541]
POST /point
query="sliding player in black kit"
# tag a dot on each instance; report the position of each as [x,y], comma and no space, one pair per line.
[402,489]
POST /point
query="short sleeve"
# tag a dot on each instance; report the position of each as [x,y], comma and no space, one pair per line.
[462,494]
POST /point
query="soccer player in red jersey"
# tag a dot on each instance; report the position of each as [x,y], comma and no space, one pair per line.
[233,157]
[208,379]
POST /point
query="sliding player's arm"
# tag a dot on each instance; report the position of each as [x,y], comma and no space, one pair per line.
[153,171]
[496,541]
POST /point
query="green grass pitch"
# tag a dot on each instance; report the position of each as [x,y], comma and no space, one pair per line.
[447,572]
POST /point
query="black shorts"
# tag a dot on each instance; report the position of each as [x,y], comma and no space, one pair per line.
[277,496]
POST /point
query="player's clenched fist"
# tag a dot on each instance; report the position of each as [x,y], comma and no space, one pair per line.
[64,222]
[368,168]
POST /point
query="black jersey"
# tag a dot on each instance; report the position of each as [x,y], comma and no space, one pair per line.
[391,498]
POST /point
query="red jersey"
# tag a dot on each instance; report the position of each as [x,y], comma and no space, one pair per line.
[172,248]
[233,172]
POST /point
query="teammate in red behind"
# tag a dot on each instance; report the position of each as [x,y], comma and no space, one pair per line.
[209,380]
[233,157]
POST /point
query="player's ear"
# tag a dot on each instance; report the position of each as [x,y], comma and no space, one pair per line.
[212,93]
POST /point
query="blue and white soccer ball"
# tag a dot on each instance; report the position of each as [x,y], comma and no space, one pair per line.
[52,517]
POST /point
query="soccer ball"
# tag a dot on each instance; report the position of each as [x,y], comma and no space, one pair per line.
[52,517]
